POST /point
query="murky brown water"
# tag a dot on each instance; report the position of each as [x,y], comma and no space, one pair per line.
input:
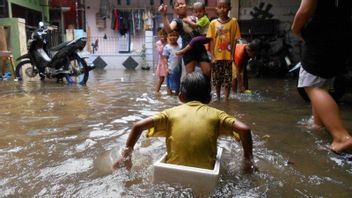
[58,140]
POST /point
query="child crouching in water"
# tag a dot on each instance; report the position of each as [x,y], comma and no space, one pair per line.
[191,144]
[174,67]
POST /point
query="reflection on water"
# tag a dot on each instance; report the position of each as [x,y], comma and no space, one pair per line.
[59,141]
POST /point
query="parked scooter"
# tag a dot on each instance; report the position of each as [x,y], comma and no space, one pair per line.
[62,61]
[273,59]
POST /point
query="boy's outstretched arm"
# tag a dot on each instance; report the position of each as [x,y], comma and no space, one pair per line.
[133,137]
[167,25]
[246,138]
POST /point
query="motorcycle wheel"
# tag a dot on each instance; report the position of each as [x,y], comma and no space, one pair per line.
[24,70]
[78,64]
[336,93]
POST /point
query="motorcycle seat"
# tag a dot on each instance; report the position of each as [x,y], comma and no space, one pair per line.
[60,46]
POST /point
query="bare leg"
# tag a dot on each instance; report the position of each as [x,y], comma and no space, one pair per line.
[206,68]
[159,83]
[169,92]
[234,85]
[240,79]
[183,51]
[190,67]
[317,123]
[328,112]
[198,40]
[227,92]
[218,89]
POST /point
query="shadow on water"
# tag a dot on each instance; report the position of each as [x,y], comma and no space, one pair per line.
[60,140]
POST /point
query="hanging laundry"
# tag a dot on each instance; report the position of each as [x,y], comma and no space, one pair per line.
[115,19]
[124,25]
[139,20]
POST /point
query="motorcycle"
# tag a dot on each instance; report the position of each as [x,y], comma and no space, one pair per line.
[62,61]
[273,58]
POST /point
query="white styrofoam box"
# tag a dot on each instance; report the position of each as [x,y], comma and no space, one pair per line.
[202,181]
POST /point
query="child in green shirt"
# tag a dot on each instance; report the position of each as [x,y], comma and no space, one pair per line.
[201,24]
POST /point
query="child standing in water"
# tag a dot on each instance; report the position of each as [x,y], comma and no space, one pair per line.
[173,63]
[198,53]
[161,68]
[192,144]
[201,25]
[224,32]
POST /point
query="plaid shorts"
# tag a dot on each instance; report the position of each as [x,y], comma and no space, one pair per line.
[222,73]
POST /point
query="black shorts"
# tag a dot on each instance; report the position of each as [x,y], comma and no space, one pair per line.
[197,53]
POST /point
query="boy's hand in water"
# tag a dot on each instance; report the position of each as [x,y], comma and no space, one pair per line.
[248,166]
[124,160]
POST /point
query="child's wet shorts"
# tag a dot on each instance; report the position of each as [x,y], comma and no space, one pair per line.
[197,53]
[307,79]
[222,73]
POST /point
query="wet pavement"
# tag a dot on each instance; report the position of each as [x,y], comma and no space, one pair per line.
[58,140]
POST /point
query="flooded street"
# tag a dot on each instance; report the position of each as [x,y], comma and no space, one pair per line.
[58,140]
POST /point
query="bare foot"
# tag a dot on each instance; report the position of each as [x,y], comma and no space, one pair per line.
[313,125]
[344,144]
[317,127]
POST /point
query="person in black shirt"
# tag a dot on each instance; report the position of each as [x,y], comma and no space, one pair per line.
[325,28]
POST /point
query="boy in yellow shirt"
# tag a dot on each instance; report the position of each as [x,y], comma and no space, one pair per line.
[224,32]
[192,129]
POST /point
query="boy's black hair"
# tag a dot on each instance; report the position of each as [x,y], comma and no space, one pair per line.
[228,2]
[196,86]
[174,2]
[254,45]
[202,4]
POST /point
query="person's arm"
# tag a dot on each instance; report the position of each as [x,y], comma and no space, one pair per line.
[167,25]
[246,138]
[134,135]
[210,35]
[166,64]
[190,22]
[303,14]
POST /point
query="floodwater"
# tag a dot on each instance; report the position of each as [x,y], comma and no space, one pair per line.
[58,140]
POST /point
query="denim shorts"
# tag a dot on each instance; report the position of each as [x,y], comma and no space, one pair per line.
[173,81]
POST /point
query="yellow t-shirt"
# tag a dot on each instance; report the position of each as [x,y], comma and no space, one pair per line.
[224,36]
[191,131]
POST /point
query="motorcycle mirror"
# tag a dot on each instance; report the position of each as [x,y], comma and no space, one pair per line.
[41,24]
